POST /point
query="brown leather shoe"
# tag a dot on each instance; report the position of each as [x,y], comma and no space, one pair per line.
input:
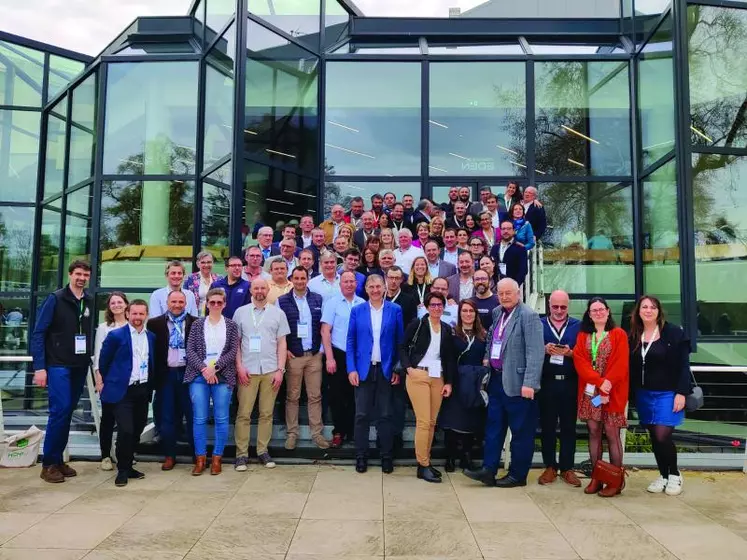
[168,464]
[67,471]
[200,462]
[548,476]
[570,478]
[216,466]
[593,487]
[52,474]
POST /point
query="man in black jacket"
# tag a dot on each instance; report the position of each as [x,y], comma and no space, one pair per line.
[510,258]
[534,212]
[172,396]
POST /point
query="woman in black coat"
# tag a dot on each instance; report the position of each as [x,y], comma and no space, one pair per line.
[427,355]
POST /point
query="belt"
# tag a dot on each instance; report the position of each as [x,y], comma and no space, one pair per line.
[374,364]
[136,383]
[309,353]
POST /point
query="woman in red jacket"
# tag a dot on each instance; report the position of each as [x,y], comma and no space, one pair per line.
[601,360]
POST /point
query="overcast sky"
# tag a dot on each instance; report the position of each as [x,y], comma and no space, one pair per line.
[87,26]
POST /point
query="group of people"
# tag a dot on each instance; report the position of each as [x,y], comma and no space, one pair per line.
[420,319]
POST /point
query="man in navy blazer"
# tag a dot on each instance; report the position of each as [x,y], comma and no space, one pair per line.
[374,331]
[535,214]
[127,365]
[510,259]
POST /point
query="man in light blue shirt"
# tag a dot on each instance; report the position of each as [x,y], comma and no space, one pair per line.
[304,317]
[175,277]
[327,284]
[335,318]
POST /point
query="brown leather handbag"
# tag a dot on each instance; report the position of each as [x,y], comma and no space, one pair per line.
[608,474]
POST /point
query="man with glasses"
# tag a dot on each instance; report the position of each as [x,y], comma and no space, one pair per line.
[484,298]
[307,226]
[287,253]
[332,226]
[253,268]
[264,238]
[559,395]
[510,258]
[451,311]
[237,290]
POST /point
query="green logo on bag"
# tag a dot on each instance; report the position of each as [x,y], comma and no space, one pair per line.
[21,443]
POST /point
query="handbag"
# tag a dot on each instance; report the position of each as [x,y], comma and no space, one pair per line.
[695,400]
[609,474]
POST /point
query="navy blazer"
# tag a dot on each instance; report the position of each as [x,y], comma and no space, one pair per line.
[538,218]
[515,259]
[115,363]
[287,303]
[360,339]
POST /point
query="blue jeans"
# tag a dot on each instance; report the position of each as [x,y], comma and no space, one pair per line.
[517,413]
[64,387]
[173,404]
[201,393]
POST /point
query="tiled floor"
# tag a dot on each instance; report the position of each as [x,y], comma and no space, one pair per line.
[327,512]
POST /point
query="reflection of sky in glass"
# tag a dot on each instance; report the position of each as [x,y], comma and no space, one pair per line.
[564,49]
[475,49]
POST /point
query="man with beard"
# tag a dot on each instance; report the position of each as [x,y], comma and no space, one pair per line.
[484,298]
[510,258]
[356,212]
[448,207]
[459,218]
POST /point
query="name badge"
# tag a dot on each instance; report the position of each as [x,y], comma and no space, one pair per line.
[434,369]
[255,344]
[211,358]
[557,360]
[80,344]
[181,355]
[597,401]
[304,330]
[502,268]
[590,389]
[143,370]
[495,351]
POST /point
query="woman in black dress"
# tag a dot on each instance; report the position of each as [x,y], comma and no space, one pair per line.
[463,415]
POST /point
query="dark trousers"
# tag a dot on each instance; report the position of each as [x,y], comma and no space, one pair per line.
[342,397]
[505,412]
[174,404]
[557,402]
[64,387]
[106,429]
[373,401]
[131,415]
[399,408]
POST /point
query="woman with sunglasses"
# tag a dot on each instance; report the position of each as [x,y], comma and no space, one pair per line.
[211,374]
[601,357]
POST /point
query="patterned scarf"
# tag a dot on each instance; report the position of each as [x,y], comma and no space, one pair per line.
[176,337]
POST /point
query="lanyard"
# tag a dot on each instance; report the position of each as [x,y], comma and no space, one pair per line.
[394,298]
[644,348]
[81,315]
[254,317]
[421,293]
[502,250]
[490,239]
[595,342]
[558,334]
[140,345]
[504,322]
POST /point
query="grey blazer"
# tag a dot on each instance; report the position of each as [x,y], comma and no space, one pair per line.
[446,269]
[453,281]
[523,350]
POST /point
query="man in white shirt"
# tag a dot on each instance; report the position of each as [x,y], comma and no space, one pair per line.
[450,253]
[174,277]
[307,226]
[327,284]
[406,253]
[461,285]
[436,266]
[264,237]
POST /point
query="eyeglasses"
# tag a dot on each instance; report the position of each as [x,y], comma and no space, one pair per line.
[598,311]
[215,303]
[559,307]
[436,305]
[478,244]
[234,265]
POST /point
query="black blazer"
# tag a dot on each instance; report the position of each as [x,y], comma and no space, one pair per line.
[409,304]
[359,239]
[538,218]
[515,259]
[413,347]
[676,376]
[160,328]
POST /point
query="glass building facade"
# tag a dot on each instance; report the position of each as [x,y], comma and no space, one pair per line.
[185,132]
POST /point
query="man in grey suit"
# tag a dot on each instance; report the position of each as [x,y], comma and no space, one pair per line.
[436,266]
[461,285]
[515,353]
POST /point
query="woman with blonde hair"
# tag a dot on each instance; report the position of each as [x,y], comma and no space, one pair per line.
[437,230]
[420,278]
[387,239]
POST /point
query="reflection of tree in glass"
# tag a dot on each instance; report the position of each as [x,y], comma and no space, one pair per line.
[16,253]
[215,216]
[333,194]
[718,75]
[717,187]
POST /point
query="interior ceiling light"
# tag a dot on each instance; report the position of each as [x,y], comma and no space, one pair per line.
[510,151]
[701,134]
[351,129]
[301,194]
[437,169]
[279,153]
[279,201]
[519,164]
[574,162]
[540,172]
[438,124]
[577,133]
[349,151]
[458,156]
[251,132]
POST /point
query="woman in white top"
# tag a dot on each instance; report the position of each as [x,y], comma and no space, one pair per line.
[114,318]
[429,357]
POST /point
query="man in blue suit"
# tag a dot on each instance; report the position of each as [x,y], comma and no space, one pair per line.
[127,366]
[374,333]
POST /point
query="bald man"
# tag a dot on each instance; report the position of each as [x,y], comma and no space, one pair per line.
[514,353]
[331,227]
[260,366]
[558,398]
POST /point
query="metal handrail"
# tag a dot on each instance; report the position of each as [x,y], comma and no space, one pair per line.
[16,359]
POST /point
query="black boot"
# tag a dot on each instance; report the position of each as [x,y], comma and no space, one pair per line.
[427,474]
[465,462]
[450,439]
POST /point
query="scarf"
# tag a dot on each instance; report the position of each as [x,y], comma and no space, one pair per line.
[176,337]
[519,223]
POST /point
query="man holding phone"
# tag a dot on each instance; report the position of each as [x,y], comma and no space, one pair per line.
[558,398]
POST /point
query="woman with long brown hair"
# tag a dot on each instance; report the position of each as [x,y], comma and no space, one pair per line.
[463,414]
[660,377]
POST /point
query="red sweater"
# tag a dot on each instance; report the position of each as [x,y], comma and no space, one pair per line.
[617,371]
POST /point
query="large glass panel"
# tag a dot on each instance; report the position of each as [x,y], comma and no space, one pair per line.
[144,225]
[16,248]
[54,165]
[718,75]
[661,239]
[19,155]
[274,197]
[151,118]
[82,132]
[21,74]
[656,105]
[78,225]
[49,246]
[216,217]
[720,213]
[223,174]
[61,73]
[583,118]
[341,192]
[373,118]
[14,322]
[218,13]
[662,38]
[281,114]
[298,18]
[219,104]
[477,118]
[589,237]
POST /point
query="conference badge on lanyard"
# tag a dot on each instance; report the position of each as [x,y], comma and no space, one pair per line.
[558,360]
[495,352]
[80,339]
[255,340]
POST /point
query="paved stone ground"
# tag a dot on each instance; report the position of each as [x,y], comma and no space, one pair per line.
[328,512]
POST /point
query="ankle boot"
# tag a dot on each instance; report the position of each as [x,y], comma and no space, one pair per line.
[216,464]
[450,439]
[200,462]
[466,459]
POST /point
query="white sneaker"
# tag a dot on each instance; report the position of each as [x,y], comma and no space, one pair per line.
[674,485]
[106,464]
[658,485]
